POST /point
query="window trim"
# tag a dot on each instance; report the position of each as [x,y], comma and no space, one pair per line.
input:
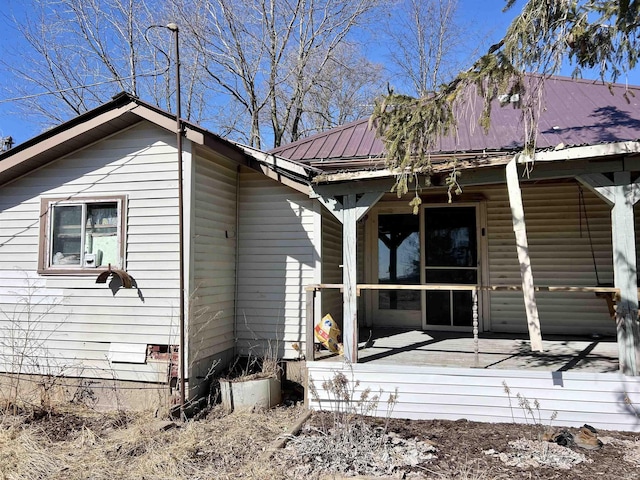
[45,229]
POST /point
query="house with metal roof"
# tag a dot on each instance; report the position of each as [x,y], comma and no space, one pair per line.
[149,251]
[528,277]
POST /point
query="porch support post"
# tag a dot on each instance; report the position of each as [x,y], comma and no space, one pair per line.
[349,280]
[621,194]
[522,245]
[352,209]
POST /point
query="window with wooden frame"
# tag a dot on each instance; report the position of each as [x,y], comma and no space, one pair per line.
[80,235]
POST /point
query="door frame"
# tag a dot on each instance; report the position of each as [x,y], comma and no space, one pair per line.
[409,318]
[480,255]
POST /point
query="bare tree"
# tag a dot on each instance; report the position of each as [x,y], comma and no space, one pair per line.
[268,55]
[82,52]
[425,42]
[251,69]
[343,93]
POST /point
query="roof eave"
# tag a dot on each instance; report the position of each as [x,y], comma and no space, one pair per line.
[482,160]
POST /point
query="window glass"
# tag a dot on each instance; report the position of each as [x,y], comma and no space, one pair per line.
[66,235]
[101,236]
[84,234]
[399,260]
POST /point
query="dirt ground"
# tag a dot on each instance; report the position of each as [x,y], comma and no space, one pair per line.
[77,443]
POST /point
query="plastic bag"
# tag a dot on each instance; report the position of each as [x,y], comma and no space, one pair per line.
[327,333]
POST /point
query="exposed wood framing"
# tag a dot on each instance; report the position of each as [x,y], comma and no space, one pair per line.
[309,341]
[622,194]
[349,279]
[348,212]
[519,228]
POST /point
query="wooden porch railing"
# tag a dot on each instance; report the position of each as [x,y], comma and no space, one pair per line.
[609,293]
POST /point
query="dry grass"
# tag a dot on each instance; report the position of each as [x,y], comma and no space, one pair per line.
[219,446]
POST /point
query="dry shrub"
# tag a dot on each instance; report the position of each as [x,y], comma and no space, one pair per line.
[106,447]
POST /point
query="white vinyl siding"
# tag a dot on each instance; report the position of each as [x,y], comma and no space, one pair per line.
[211,318]
[81,318]
[559,246]
[331,265]
[276,261]
[479,395]
[561,255]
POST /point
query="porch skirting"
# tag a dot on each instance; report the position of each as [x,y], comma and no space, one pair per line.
[608,401]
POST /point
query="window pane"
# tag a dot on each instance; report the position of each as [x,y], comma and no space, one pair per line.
[399,260]
[66,241]
[462,277]
[101,236]
[438,307]
[450,237]
[462,309]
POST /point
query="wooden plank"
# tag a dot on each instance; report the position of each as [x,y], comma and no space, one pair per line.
[461,287]
[624,267]
[349,275]
[309,324]
[333,206]
[621,194]
[367,201]
[519,227]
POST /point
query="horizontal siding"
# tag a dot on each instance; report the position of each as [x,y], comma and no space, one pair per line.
[331,265]
[276,261]
[83,318]
[560,251]
[211,319]
[479,395]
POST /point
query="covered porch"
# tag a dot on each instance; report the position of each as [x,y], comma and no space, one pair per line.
[495,351]
[461,254]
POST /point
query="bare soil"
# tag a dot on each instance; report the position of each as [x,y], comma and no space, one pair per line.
[76,443]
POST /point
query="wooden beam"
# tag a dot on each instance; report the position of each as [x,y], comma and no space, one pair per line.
[600,185]
[349,279]
[334,206]
[467,287]
[589,151]
[519,228]
[309,346]
[345,188]
[365,202]
[621,193]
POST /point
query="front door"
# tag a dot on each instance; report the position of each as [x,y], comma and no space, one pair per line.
[450,257]
[437,247]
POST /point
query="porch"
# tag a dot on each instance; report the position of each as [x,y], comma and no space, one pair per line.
[495,351]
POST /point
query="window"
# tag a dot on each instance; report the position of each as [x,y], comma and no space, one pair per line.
[80,235]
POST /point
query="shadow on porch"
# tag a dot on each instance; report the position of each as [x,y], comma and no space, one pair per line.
[495,351]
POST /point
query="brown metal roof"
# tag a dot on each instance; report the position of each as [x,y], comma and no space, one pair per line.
[575,112]
[121,112]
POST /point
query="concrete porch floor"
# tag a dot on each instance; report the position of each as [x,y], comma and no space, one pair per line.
[496,351]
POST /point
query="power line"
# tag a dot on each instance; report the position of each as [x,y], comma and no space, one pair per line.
[155,73]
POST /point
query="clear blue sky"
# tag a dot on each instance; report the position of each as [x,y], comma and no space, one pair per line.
[485,16]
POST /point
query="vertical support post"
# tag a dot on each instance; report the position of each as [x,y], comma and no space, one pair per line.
[308,342]
[476,346]
[621,194]
[624,273]
[349,279]
[522,245]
